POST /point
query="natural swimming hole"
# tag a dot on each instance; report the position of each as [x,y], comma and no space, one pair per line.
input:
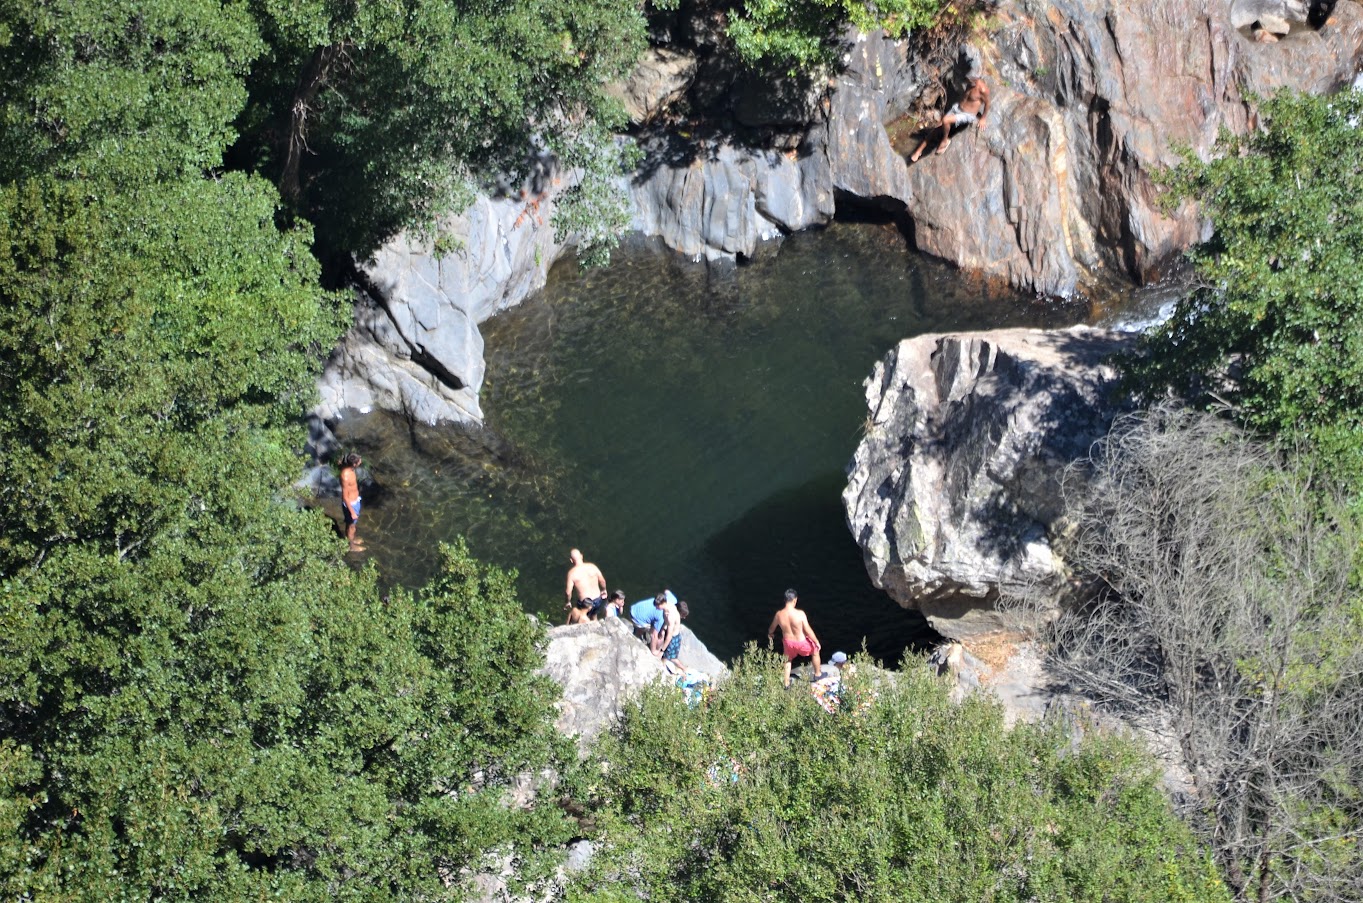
[684,430]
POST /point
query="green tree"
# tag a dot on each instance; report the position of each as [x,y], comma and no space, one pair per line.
[198,698]
[759,794]
[1276,325]
[373,116]
[126,91]
[803,34]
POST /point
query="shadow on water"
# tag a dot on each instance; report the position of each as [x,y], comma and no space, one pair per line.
[802,532]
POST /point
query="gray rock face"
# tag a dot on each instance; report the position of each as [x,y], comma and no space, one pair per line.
[415,348]
[953,493]
[723,202]
[1089,99]
[599,664]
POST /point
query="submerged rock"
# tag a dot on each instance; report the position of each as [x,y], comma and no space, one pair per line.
[954,493]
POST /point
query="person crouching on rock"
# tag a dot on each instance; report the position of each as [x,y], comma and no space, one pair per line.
[650,620]
[972,108]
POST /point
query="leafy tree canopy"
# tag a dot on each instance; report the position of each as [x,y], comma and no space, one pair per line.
[126,91]
[198,698]
[759,794]
[804,34]
[1276,327]
[374,116]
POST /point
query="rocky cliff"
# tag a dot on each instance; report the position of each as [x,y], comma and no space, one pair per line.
[415,348]
[954,492]
[1089,99]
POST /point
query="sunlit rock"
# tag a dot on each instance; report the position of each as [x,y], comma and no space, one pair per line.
[954,493]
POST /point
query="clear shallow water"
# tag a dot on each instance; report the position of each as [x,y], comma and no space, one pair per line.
[683,432]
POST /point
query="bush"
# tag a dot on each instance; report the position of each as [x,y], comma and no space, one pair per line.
[1276,325]
[1228,609]
[758,794]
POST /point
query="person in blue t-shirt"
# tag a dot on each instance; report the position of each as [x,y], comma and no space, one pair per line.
[650,620]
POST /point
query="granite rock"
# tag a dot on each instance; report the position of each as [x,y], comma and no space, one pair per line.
[600,664]
[954,492]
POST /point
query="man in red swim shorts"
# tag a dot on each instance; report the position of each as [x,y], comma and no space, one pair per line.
[797,637]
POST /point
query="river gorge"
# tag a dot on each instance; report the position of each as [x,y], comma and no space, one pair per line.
[686,415]
[685,430]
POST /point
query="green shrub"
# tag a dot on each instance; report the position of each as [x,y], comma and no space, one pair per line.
[758,794]
[1276,324]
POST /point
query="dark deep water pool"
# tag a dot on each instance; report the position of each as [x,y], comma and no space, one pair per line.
[684,431]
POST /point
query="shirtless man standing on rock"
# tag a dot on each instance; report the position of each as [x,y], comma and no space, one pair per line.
[972,108]
[797,637]
[587,579]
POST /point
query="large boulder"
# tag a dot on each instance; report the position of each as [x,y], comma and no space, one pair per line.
[954,493]
[660,78]
[600,664]
[415,348]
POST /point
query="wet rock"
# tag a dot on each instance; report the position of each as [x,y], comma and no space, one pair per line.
[954,493]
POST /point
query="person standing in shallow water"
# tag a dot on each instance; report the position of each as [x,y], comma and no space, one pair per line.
[972,108]
[350,499]
[797,637]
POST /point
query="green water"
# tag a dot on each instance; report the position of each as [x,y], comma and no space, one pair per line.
[683,432]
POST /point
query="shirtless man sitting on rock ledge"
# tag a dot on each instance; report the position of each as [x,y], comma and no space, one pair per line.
[972,108]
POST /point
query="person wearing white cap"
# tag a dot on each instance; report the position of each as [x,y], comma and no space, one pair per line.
[832,669]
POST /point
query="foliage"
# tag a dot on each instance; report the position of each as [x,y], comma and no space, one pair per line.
[375,116]
[198,698]
[124,91]
[1277,326]
[803,34]
[1228,610]
[758,794]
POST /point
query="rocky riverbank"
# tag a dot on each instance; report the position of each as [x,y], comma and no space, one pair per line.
[1090,98]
